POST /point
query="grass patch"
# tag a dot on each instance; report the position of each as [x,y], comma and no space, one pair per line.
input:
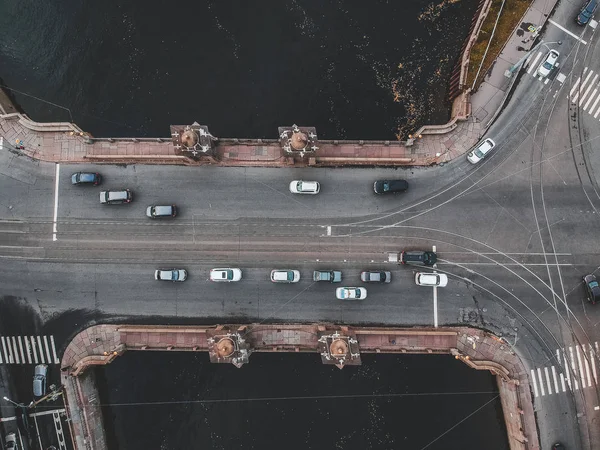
[511,16]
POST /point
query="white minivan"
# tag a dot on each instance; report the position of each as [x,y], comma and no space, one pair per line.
[479,152]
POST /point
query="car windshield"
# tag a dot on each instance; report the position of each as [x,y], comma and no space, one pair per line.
[478,153]
[290,276]
[299,185]
[357,292]
[228,274]
[593,284]
[386,186]
[548,66]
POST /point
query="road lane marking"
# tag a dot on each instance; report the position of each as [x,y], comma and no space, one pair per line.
[567,370]
[535,389]
[594,105]
[590,99]
[28,349]
[567,31]
[35,358]
[555,380]
[14,344]
[588,90]
[573,368]
[593,359]
[581,373]
[21,349]
[47,349]
[548,381]
[574,88]
[56,360]
[543,391]
[5,352]
[57,177]
[587,366]
[41,350]
[328,231]
[534,63]
[582,86]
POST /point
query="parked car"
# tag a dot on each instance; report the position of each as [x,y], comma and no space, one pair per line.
[332,276]
[304,187]
[116,197]
[155,212]
[587,12]
[10,442]
[39,380]
[479,152]
[225,274]
[558,446]
[431,279]
[86,178]
[592,289]
[351,293]
[170,274]
[548,64]
[418,257]
[377,276]
[285,276]
[388,186]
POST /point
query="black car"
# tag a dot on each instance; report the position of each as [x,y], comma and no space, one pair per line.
[587,12]
[385,186]
[86,178]
[418,257]
[592,289]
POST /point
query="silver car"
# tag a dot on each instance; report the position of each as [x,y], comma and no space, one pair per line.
[285,276]
[548,64]
[39,380]
[170,274]
[11,442]
[305,187]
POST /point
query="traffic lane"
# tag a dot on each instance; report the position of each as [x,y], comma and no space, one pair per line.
[231,192]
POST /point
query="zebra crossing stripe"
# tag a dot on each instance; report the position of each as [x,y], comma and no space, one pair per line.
[27,349]
[41,350]
[562,382]
[535,389]
[588,89]
[56,360]
[534,63]
[587,366]
[35,358]
[47,349]
[582,86]
[548,381]
[575,86]
[590,100]
[594,105]
[543,391]
[567,371]
[14,344]
[555,380]
[573,368]
[4,349]
[581,373]
[593,360]
[21,349]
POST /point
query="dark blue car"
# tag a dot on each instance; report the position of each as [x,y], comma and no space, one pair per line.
[587,12]
[86,178]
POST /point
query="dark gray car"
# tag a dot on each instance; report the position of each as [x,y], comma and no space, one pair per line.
[376,276]
[11,442]
[39,380]
[332,276]
[115,197]
[418,257]
[156,212]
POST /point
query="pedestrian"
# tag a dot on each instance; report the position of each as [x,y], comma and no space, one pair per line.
[20,145]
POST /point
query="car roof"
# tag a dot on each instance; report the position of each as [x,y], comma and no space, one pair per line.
[163,209]
[309,185]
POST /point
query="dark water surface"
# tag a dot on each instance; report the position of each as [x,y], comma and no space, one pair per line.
[354,69]
[292,401]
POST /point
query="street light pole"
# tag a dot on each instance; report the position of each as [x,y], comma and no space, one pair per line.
[520,62]
[18,405]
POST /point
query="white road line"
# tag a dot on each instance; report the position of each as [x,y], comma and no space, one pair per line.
[41,350]
[567,31]
[4,348]
[28,349]
[57,177]
[1,361]
[587,366]
[328,231]
[535,389]
[47,413]
[548,380]
[590,100]
[539,372]
[14,344]
[562,382]
[582,86]
[593,360]
[35,358]
[594,105]
[21,349]
[573,368]
[581,373]
[47,349]
[555,380]
[574,88]
[37,429]
[534,63]
[1,142]
[587,91]
[566,367]
[56,360]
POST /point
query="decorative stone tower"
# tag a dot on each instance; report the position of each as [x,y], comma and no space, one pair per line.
[298,140]
[339,349]
[228,347]
[192,140]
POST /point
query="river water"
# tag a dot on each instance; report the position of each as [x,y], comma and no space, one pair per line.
[162,401]
[353,69]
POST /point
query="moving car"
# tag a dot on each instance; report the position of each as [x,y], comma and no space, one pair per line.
[548,64]
[418,257]
[332,276]
[170,274]
[115,197]
[431,279]
[304,187]
[39,380]
[376,276]
[587,12]
[155,212]
[225,274]
[386,186]
[351,293]
[86,178]
[285,276]
[592,289]
[479,152]
[10,442]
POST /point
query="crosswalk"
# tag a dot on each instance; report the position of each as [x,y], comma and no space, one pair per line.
[28,350]
[577,370]
[586,92]
[534,62]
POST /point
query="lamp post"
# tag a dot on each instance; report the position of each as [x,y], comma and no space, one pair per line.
[520,62]
[18,405]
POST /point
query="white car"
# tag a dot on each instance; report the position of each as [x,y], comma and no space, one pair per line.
[226,274]
[285,276]
[479,152]
[431,279]
[170,274]
[351,293]
[304,187]
[549,63]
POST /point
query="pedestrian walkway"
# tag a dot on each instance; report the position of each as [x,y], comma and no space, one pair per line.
[585,93]
[577,369]
[28,350]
